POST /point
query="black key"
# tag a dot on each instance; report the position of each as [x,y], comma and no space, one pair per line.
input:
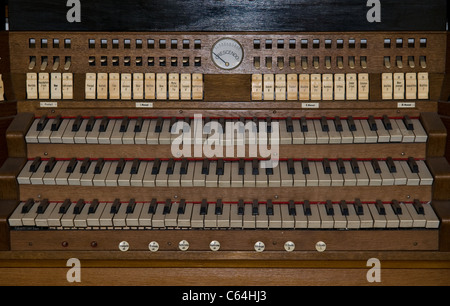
[220,167]
[326,166]
[65,206]
[35,165]
[85,165]
[90,124]
[138,126]
[103,124]
[99,166]
[351,124]
[27,206]
[290,166]
[269,171]
[387,123]
[241,167]
[307,208]
[355,166]
[152,207]
[303,125]
[396,207]
[408,123]
[79,207]
[135,166]
[338,124]
[341,166]
[380,208]
[269,124]
[358,207]
[72,164]
[305,166]
[159,124]
[291,208]
[324,124]
[93,207]
[219,207]
[43,206]
[124,124]
[167,207]
[120,166]
[376,166]
[184,166]
[205,166]
[269,208]
[255,167]
[170,166]
[115,206]
[173,121]
[391,165]
[289,125]
[413,165]
[204,207]
[50,165]
[56,123]
[182,207]
[418,206]
[344,208]
[77,124]
[241,206]
[42,123]
[222,123]
[372,124]
[255,208]
[156,166]
[329,208]
[131,206]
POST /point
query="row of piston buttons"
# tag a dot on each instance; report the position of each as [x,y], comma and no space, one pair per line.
[214,245]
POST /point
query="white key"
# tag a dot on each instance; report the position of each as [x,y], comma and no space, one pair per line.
[62,176]
[366,219]
[225,179]
[92,136]
[211,217]
[353,221]
[275,219]
[197,220]
[224,220]
[29,217]
[419,131]
[362,178]
[301,220]
[285,136]
[322,137]
[42,219]
[249,220]
[54,220]
[349,176]
[111,177]
[396,134]
[392,221]
[152,135]
[32,134]
[199,179]
[314,220]
[324,178]
[312,179]
[158,216]
[287,179]
[25,175]
[80,136]
[106,218]
[141,137]
[262,220]
[379,221]
[387,179]
[211,179]
[132,219]
[170,219]
[399,175]
[137,179]
[412,179]
[297,135]
[275,178]
[149,179]
[68,218]
[93,219]
[56,136]
[374,178]
[145,218]
[337,179]
[37,178]
[371,136]
[383,134]
[310,135]
[81,219]
[237,180]
[68,135]
[75,177]
[287,220]
[430,215]
[236,220]
[408,136]
[261,178]
[124,178]
[340,221]
[346,134]
[426,178]
[50,177]
[184,220]
[128,136]
[299,179]
[105,137]
[100,179]
[335,136]
[419,221]
[187,180]
[359,136]
[87,178]
[44,135]
[327,221]
[173,180]
[249,178]
[116,135]
[405,218]
[162,176]
[165,135]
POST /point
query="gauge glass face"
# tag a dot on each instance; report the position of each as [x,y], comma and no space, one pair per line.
[227,53]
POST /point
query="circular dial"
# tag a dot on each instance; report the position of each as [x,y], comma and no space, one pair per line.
[227,53]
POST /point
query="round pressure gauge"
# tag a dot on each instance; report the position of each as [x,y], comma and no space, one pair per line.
[227,53]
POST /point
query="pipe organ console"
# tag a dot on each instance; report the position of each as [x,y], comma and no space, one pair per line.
[204,150]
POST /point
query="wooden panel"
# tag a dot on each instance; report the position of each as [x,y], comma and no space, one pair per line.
[284,194]
[440,169]
[6,208]
[442,209]
[9,189]
[437,134]
[265,15]
[15,135]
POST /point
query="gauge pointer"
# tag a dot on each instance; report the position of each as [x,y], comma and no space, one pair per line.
[226,63]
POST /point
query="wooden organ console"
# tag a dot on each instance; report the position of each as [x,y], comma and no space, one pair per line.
[141,147]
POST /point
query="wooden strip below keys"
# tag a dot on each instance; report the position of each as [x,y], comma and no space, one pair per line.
[394,150]
[313,193]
